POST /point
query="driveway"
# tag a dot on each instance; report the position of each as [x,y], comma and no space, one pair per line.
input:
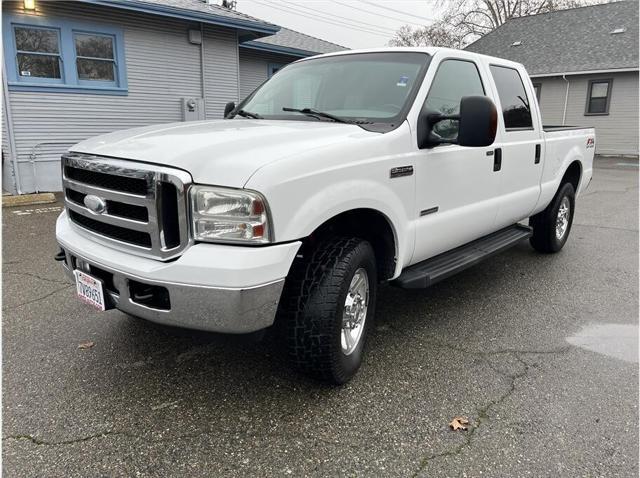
[539,352]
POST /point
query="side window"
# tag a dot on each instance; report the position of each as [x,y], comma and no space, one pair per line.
[453,80]
[513,97]
[598,96]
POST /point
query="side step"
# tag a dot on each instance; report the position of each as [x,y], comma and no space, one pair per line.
[427,273]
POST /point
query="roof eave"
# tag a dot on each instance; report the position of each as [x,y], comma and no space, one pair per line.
[210,18]
[257,45]
[585,72]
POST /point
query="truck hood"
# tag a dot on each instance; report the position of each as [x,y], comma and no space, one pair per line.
[221,152]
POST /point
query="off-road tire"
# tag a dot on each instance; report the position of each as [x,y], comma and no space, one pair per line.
[311,309]
[544,223]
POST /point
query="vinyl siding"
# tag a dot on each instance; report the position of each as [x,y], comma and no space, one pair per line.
[617,132]
[162,68]
[254,68]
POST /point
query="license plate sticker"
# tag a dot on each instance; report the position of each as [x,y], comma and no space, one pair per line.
[89,290]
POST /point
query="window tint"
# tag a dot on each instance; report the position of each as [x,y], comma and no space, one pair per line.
[454,79]
[38,52]
[515,104]
[598,97]
[94,57]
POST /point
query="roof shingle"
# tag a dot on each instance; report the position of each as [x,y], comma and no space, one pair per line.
[300,41]
[577,39]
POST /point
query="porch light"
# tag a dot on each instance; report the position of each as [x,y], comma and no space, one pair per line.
[29,4]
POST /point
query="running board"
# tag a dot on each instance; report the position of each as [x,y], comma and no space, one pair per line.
[427,273]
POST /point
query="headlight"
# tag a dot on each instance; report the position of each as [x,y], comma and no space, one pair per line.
[229,215]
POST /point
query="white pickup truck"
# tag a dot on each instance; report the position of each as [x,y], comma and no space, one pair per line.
[341,172]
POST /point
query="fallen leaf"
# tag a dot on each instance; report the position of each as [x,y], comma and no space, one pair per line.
[86,345]
[459,423]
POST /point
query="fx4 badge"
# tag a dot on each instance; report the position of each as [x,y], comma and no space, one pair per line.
[401,171]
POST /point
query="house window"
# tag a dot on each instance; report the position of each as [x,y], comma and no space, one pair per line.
[38,53]
[598,97]
[95,60]
[274,68]
[537,88]
[63,56]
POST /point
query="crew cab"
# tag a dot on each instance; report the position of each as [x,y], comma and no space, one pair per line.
[340,173]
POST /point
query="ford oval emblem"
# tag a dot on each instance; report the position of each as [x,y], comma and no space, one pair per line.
[95,204]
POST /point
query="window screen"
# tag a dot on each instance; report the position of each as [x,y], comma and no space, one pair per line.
[513,97]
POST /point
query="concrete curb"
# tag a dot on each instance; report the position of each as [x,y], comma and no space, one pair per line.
[28,199]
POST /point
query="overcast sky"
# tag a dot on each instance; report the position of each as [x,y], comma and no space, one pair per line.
[351,23]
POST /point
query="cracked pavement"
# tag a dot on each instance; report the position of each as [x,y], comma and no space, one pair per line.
[490,344]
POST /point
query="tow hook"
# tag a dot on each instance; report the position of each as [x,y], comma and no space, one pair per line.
[60,255]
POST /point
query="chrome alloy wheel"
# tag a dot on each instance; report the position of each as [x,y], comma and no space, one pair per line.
[355,311]
[562,220]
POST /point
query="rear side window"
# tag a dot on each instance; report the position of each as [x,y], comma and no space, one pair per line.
[453,80]
[513,97]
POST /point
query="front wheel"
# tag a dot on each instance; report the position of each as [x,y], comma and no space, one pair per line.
[551,227]
[327,308]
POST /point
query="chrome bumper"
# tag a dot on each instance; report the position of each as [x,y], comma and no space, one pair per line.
[215,309]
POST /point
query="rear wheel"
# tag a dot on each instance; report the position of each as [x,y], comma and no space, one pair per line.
[551,227]
[327,308]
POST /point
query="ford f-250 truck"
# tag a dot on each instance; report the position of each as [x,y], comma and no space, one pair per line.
[341,172]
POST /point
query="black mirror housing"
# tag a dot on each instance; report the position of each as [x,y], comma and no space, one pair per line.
[478,121]
[228,108]
[477,124]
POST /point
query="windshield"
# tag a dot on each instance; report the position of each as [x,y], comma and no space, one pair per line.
[363,88]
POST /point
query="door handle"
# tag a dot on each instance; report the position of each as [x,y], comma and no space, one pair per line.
[497,159]
[538,150]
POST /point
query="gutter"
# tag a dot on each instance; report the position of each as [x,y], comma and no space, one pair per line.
[192,15]
[11,138]
[585,72]
[566,101]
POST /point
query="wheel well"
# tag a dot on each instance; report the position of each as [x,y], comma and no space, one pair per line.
[572,175]
[367,224]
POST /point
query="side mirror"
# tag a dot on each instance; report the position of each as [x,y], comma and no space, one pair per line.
[477,124]
[228,108]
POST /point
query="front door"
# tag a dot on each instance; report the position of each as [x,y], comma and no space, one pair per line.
[456,187]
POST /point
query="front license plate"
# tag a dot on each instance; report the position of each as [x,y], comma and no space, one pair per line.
[89,290]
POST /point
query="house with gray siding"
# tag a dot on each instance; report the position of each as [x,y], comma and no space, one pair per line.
[584,65]
[73,70]
[259,59]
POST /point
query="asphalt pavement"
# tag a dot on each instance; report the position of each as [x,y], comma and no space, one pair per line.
[539,352]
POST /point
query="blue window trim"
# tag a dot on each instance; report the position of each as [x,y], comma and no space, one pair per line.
[70,82]
[273,67]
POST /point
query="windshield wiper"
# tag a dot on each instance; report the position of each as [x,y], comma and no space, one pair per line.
[321,114]
[248,114]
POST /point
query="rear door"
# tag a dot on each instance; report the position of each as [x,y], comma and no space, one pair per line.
[520,143]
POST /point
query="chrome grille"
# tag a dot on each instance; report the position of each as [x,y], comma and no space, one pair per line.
[145,206]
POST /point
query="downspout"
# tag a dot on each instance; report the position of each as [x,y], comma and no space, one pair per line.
[566,100]
[12,140]
[203,86]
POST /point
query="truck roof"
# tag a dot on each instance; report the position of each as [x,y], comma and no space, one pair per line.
[429,50]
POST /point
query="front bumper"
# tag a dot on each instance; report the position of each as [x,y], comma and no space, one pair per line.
[211,287]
